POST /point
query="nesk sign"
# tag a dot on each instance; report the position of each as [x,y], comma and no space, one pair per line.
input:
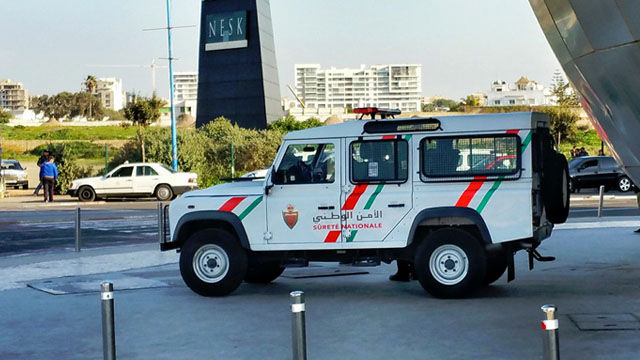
[226,31]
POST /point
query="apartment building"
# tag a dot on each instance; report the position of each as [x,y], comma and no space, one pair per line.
[522,92]
[186,92]
[387,86]
[186,85]
[110,93]
[13,96]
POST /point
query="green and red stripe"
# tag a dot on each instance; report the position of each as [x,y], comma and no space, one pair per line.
[475,185]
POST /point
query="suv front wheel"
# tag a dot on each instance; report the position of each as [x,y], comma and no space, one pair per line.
[212,262]
[450,263]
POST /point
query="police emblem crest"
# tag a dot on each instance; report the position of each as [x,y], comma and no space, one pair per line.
[290,216]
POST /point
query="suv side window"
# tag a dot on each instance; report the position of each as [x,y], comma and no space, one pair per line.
[145,171]
[470,156]
[123,172]
[379,161]
[307,164]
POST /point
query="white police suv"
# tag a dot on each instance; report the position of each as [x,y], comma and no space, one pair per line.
[455,196]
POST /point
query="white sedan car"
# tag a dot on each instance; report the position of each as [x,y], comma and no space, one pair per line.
[135,180]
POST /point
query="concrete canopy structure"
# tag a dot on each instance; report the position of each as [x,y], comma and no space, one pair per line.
[238,75]
[597,42]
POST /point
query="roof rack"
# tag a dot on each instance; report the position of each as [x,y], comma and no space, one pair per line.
[373,111]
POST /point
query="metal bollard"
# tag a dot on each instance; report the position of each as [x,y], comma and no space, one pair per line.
[108,323]
[601,201]
[298,330]
[550,338]
[78,229]
[160,223]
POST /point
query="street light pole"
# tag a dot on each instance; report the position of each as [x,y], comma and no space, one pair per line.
[174,140]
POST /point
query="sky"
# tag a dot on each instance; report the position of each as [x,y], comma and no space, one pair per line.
[463,45]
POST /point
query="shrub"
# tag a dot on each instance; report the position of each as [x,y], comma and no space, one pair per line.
[289,123]
[68,168]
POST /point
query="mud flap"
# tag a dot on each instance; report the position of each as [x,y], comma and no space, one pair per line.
[511,268]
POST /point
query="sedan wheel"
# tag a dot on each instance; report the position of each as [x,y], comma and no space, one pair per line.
[164,193]
[624,184]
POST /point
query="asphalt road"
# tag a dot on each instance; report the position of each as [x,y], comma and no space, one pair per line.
[595,276]
[24,231]
[42,227]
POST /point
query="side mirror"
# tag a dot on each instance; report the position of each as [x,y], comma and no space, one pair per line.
[268,181]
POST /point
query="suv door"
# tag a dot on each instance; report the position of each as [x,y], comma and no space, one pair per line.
[378,190]
[303,206]
[119,182]
[145,180]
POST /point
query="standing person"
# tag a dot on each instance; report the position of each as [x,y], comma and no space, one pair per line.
[406,271]
[583,152]
[574,151]
[43,159]
[49,175]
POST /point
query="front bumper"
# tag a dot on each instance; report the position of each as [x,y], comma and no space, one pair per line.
[178,190]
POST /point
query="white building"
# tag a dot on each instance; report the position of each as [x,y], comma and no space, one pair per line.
[387,86]
[110,93]
[522,92]
[186,92]
[13,96]
[186,85]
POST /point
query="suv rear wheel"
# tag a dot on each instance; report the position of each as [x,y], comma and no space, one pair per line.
[624,184]
[496,266]
[263,272]
[450,263]
[212,263]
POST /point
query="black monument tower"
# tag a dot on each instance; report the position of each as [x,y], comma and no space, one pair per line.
[237,71]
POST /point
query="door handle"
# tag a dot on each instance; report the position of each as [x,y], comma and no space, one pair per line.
[395,205]
[326,207]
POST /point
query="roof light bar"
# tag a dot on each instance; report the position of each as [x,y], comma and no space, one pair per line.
[373,111]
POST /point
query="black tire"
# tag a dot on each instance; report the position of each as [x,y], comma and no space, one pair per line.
[164,192]
[624,184]
[496,266]
[555,188]
[25,186]
[86,194]
[212,262]
[443,255]
[263,272]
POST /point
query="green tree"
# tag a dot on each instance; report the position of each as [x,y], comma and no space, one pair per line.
[428,107]
[563,92]
[563,121]
[5,116]
[471,100]
[142,112]
[57,106]
[289,123]
[90,84]
[83,105]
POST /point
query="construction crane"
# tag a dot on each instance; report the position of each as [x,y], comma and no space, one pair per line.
[152,66]
[296,96]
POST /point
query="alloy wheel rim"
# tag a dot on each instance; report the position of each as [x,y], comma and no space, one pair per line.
[624,184]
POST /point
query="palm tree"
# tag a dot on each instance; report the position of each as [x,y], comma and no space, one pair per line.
[90,84]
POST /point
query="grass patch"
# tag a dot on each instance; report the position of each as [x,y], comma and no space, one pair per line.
[68,132]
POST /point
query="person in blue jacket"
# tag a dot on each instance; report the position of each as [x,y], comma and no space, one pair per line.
[49,175]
